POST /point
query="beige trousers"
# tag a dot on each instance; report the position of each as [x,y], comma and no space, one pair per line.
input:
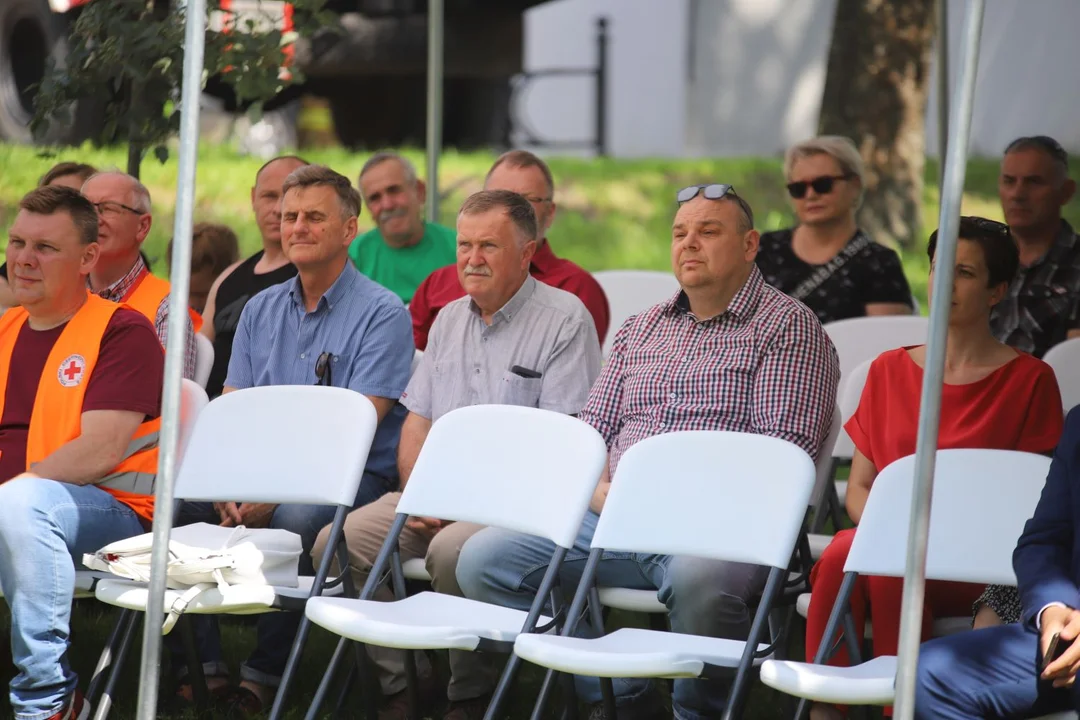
[366,529]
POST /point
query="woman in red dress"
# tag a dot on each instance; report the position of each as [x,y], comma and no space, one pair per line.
[993,397]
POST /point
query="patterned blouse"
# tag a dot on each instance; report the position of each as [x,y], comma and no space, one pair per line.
[874,274]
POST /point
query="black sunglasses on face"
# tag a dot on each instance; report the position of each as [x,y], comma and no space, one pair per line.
[322,369]
[715,191]
[822,185]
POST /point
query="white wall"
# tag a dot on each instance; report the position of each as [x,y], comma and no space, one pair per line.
[1029,74]
[647,87]
[726,78]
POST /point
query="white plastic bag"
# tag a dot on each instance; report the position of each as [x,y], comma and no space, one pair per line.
[203,556]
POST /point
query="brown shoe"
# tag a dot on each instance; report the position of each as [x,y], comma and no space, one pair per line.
[472,709]
[396,707]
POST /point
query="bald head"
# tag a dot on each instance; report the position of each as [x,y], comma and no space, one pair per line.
[118,187]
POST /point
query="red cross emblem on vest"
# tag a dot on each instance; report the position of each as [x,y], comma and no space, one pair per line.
[71,370]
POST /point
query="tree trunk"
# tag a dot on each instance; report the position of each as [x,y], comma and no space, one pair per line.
[875,93]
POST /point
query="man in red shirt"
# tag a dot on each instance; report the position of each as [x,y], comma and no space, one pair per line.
[80,396]
[524,173]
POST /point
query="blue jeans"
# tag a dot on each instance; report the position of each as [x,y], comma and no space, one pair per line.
[276,630]
[703,597]
[45,528]
[988,673]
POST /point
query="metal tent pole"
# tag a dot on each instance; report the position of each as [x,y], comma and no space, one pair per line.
[933,375]
[941,50]
[436,18]
[194,45]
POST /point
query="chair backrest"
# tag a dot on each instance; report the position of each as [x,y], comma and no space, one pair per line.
[864,338]
[824,463]
[1065,359]
[519,468]
[204,359]
[301,444]
[850,394]
[192,401]
[631,291]
[721,495]
[417,356]
[981,500]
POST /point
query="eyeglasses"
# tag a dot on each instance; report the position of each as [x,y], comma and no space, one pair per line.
[972,224]
[822,185]
[537,200]
[322,369]
[715,191]
[108,207]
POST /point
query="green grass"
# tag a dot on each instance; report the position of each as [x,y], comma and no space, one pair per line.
[612,213]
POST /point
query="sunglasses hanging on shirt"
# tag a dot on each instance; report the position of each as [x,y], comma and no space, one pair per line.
[322,369]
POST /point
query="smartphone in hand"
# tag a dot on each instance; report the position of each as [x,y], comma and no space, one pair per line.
[1054,650]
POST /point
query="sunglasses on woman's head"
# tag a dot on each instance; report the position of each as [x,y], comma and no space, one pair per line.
[822,185]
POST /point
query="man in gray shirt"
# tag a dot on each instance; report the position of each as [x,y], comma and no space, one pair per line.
[510,341]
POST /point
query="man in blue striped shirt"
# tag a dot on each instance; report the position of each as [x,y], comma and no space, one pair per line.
[330,324]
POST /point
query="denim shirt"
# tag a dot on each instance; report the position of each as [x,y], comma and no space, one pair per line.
[366,328]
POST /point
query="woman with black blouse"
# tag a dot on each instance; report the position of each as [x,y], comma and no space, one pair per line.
[826,261]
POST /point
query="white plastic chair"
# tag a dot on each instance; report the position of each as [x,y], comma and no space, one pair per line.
[204,359]
[646,601]
[982,498]
[1064,358]
[291,444]
[631,291]
[726,496]
[546,496]
[864,338]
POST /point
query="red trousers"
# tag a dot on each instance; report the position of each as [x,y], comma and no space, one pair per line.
[882,594]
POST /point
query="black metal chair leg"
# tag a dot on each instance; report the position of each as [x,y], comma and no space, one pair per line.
[105,704]
[105,660]
[200,691]
[327,679]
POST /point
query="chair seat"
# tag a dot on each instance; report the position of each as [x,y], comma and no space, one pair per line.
[232,600]
[425,621]
[869,683]
[942,626]
[818,543]
[415,569]
[85,582]
[631,652]
[643,601]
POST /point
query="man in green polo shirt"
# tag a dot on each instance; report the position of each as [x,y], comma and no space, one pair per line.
[402,250]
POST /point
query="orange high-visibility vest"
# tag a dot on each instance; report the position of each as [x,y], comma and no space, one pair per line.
[57,416]
[149,293]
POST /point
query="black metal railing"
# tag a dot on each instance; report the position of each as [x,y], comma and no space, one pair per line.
[521,82]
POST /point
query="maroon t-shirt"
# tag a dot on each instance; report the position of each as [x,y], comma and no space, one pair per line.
[128,376]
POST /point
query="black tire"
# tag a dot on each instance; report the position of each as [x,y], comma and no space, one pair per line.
[32,35]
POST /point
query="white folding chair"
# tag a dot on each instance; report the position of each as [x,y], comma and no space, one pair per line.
[843,450]
[726,496]
[646,601]
[1064,358]
[981,500]
[192,401]
[204,359]
[546,496]
[864,338]
[289,444]
[631,291]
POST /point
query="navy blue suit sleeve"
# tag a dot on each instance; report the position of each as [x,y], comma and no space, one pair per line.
[1043,556]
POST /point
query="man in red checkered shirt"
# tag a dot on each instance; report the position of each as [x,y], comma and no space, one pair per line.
[728,352]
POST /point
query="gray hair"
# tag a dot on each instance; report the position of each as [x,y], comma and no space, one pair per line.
[839,148]
[411,178]
[142,201]
[322,176]
[518,209]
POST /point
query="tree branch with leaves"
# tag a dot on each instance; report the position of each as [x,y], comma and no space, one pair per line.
[126,56]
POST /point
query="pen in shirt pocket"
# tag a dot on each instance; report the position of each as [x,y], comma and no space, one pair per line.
[525,372]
